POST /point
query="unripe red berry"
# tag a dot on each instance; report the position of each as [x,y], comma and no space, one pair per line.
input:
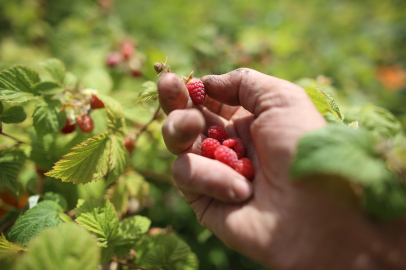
[96,103]
[114,59]
[127,50]
[129,144]
[85,123]
[68,128]
[136,73]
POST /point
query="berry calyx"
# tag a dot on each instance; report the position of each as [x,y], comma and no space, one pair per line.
[129,144]
[96,103]
[85,123]
[68,128]
[114,59]
[226,155]
[237,145]
[218,133]
[197,91]
[208,148]
[244,167]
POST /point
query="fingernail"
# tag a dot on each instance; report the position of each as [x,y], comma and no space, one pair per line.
[241,189]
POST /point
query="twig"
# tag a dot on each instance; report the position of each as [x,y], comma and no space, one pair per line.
[150,121]
[129,265]
[14,138]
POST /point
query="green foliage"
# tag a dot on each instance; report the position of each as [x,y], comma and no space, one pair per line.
[56,69]
[149,92]
[324,103]
[339,150]
[8,252]
[48,118]
[44,214]
[1,107]
[13,115]
[16,84]
[11,162]
[64,247]
[87,162]
[100,218]
[59,199]
[378,121]
[47,88]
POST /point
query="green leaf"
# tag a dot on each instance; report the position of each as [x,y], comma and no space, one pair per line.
[11,162]
[379,121]
[323,101]
[1,107]
[47,88]
[6,246]
[43,150]
[16,82]
[55,197]
[88,161]
[130,231]
[65,217]
[115,115]
[339,150]
[153,95]
[91,190]
[44,214]
[130,185]
[13,115]
[48,118]
[169,250]
[385,200]
[100,218]
[65,247]
[56,69]
[98,79]
[119,159]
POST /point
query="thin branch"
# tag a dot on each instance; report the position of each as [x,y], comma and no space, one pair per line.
[14,138]
[150,121]
[129,265]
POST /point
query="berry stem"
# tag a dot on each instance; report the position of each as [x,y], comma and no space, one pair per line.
[144,128]
[14,138]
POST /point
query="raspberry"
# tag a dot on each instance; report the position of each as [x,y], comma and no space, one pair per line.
[127,49]
[237,145]
[113,59]
[85,123]
[129,144]
[68,128]
[197,91]
[209,146]
[96,103]
[218,133]
[244,167]
[226,155]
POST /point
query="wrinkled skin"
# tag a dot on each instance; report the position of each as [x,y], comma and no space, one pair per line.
[279,223]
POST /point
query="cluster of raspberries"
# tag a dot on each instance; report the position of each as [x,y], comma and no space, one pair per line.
[228,150]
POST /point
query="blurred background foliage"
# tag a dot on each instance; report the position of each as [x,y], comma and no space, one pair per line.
[355,50]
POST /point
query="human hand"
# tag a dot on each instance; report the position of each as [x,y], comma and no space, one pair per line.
[278,223]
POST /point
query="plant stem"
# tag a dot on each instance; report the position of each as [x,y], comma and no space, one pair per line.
[129,265]
[150,121]
[8,135]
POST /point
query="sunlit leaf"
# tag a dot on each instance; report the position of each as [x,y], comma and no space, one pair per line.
[47,88]
[323,101]
[44,214]
[153,95]
[16,82]
[65,247]
[48,118]
[55,68]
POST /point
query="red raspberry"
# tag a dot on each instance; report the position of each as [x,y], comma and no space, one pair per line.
[68,128]
[129,144]
[85,123]
[209,146]
[96,102]
[237,145]
[244,167]
[218,133]
[226,155]
[113,59]
[197,91]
